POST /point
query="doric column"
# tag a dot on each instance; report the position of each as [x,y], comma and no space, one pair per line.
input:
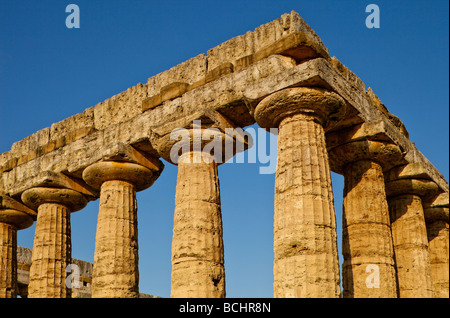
[14,216]
[52,249]
[198,269]
[369,269]
[306,258]
[437,219]
[405,192]
[116,271]
[197,246]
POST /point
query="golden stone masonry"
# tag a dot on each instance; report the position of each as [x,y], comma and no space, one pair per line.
[396,203]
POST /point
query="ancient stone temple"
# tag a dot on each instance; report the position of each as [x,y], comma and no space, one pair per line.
[395,239]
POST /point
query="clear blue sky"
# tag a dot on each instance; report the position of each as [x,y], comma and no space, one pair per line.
[49,72]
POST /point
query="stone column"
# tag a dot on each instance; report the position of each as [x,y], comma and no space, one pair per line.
[306,258]
[52,249]
[437,219]
[369,267]
[116,273]
[198,269]
[409,233]
[14,216]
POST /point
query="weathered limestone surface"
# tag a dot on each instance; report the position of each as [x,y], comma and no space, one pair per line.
[85,278]
[437,219]
[14,216]
[8,251]
[361,155]
[116,259]
[189,72]
[52,247]
[306,261]
[23,270]
[268,39]
[367,236]
[197,245]
[411,247]
[304,226]
[405,192]
[51,253]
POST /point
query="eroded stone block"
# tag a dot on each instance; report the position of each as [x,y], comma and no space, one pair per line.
[189,72]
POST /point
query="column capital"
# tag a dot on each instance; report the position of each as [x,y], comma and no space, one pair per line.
[420,187]
[124,163]
[71,199]
[325,106]
[410,179]
[206,132]
[51,179]
[386,154]
[365,141]
[437,208]
[98,173]
[15,213]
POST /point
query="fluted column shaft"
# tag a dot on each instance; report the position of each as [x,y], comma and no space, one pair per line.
[116,272]
[367,239]
[14,216]
[51,253]
[197,246]
[411,246]
[116,260]
[369,266]
[306,259]
[8,258]
[438,247]
[305,247]
[52,249]
[436,211]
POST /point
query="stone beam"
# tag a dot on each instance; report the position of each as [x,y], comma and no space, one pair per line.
[288,35]
[224,95]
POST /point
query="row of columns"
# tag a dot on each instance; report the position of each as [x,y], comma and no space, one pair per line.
[366,227]
[14,216]
[384,225]
[436,218]
[115,272]
[389,219]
